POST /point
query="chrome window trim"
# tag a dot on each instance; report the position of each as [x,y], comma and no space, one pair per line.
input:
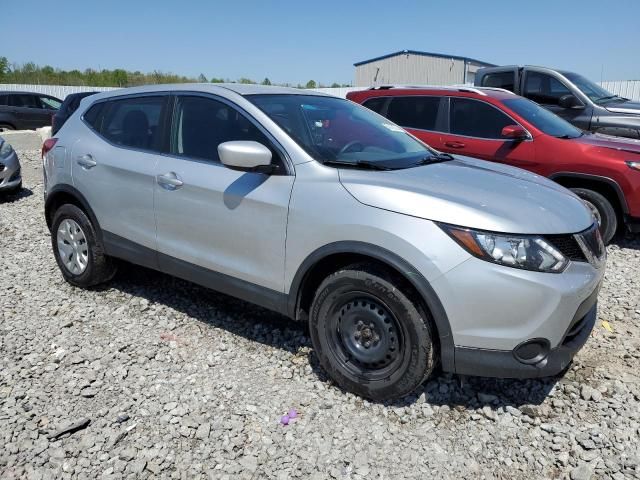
[169,95]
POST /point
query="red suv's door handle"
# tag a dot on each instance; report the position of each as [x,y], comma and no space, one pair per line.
[454,144]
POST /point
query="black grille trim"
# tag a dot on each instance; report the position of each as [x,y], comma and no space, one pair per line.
[568,246]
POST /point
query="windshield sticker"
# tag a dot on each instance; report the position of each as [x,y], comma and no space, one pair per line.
[392,127]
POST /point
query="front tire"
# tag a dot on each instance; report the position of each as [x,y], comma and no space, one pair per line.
[79,255]
[603,211]
[370,335]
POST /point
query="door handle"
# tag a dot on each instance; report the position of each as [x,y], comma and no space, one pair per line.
[86,161]
[455,144]
[170,181]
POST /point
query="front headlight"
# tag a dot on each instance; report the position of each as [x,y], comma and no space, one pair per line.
[528,252]
[5,149]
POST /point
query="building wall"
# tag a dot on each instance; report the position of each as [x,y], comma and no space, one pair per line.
[411,69]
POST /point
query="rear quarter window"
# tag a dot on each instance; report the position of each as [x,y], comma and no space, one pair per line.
[376,104]
[129,122]
[504,80]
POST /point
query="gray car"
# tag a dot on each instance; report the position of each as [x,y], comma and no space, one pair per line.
[397,256]
[10,177]
[573,97]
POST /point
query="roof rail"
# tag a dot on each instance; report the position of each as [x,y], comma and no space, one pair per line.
[457,88]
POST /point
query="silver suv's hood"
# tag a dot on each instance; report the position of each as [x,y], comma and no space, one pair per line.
[472,193]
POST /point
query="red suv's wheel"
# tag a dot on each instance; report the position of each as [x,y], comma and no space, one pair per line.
[602,210]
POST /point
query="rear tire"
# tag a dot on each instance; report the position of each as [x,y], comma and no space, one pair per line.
[79,254]
[603,211]
[370,335]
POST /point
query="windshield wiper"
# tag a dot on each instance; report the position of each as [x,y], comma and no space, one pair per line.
[609,97]
[357,164]
[435,158]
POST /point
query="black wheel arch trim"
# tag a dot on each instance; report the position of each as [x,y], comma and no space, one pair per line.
[595,178]
[383,255]
[74,192]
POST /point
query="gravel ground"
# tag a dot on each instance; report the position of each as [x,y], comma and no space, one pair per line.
[151,376]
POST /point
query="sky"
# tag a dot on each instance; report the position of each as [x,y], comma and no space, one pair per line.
[294,42]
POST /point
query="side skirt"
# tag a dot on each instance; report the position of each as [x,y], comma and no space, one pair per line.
[132,252]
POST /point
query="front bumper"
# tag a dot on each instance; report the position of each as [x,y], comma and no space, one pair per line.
[506,364]
[10,175]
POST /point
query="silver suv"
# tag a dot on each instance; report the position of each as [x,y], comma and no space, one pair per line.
[399,258]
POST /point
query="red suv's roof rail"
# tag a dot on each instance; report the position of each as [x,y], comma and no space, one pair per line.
[457,88]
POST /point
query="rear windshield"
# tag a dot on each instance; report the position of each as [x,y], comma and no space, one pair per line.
[333,129]
[542,119]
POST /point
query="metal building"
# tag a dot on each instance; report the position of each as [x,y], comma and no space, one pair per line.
[410,67]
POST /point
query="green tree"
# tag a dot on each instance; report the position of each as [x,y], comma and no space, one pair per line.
[311,84]
[217,80]
[266,81]
[335,85]
[120,77]
[202,78]
[246,81]
[4,68]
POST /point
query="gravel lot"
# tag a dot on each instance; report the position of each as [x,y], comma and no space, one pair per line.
[153,376]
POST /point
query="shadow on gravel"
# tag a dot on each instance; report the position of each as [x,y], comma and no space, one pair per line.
[14,197]
[211,308]
[629,240]
[269,328]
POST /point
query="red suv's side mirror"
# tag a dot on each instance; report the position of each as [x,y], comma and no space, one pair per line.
[515,132]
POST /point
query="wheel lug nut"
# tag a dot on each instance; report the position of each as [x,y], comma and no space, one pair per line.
[356,335]
[360,324]
[367,344]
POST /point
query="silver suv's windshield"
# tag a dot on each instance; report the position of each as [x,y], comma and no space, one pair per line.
[339,132]
[542,119]
[595,92]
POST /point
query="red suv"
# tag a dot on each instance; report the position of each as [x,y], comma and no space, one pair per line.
[496,125]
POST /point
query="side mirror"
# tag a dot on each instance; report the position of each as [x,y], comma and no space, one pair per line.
[515,132]
[245,155]
[569,101]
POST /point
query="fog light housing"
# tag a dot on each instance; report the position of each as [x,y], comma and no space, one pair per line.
[532,351]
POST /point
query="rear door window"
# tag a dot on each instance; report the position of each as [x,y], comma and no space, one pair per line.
[130,122]
[24,101]
[4,100]
[504,80]
[475,118]
[544,89]
[414,112]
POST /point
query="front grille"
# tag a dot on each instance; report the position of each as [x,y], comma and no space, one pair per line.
[568,246]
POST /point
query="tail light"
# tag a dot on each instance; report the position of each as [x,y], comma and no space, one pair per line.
[48,144]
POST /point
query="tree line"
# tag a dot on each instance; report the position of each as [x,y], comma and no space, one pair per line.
[30,73]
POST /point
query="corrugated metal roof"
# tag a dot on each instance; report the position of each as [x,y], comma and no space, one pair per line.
[426,54]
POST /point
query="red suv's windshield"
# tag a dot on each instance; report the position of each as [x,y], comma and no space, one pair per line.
[542,119]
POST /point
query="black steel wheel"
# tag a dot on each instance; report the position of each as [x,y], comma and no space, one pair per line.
[371,337]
